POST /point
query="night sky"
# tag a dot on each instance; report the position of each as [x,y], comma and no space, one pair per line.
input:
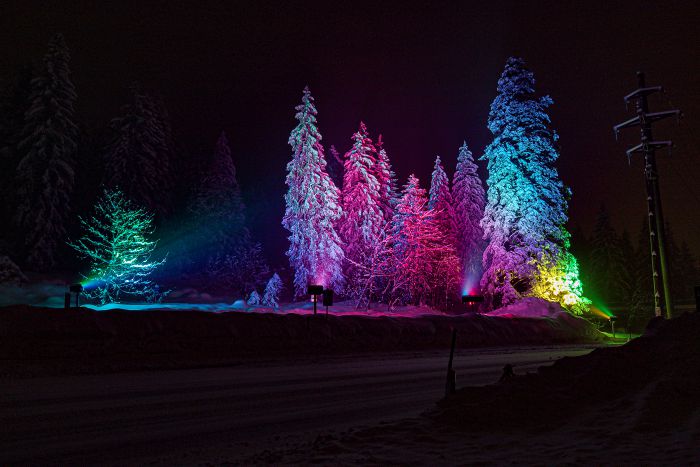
[421,73]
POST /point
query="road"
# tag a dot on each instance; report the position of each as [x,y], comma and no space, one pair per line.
[128,418]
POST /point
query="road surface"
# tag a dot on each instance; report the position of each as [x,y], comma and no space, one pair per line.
[135,418]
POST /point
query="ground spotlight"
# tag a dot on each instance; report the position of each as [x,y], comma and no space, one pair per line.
[76,289]
[314,290]
[471,301]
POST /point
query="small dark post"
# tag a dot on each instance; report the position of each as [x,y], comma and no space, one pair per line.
[66,300]
[612,325]
[451,383]
[327,299]
[76,289]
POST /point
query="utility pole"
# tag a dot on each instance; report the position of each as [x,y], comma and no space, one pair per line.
[644,119]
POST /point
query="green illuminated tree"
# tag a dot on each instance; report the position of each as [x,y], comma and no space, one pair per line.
[117,242]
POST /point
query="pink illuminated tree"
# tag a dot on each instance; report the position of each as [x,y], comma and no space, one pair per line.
[440,200]
[312,207]
[362,221]
[422,264]
[468,209]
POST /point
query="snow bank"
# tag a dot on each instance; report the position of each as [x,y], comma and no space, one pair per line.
[638,404]
[530,307]
[44,340]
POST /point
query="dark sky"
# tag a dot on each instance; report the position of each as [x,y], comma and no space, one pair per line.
[421,73]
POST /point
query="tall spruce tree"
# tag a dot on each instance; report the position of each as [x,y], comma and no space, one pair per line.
[526,202]
[312,207]
[440,199]
[138,158]
[45,172]
[468,208]
[219,236]
[362,221]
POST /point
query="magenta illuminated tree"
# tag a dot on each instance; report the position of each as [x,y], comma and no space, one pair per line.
[422,264]
[362,221]
[526,207]
[312,207]
[440,200]
[468,209]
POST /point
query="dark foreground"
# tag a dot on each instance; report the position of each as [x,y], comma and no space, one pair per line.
[44,341]
[195,416]
[638,404]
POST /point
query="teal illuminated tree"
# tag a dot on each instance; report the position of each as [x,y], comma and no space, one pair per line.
[312,207]
[526,202]
[117,243]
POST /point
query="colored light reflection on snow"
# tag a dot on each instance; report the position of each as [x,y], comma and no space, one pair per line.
[601,311]
[470,285]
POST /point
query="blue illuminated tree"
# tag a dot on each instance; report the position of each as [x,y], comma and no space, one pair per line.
[273,289]
[45,173]
[312,207]
[468,207]
[253,298]
[362,221]
[117,242]
[526,202]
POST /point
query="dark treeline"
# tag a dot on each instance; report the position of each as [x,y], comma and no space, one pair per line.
[53,170]
[616,268]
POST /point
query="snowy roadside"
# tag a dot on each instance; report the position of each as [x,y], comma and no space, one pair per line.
[39,341]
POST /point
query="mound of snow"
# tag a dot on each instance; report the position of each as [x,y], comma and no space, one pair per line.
[530,307]
[10,273]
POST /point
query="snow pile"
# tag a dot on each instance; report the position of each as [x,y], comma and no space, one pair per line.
[50,341]
[653,379]
[49,294]
[638,404]
[530,307]
[10,273]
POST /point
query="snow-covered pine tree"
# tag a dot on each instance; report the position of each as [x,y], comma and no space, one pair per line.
[468,210]
[273,289]
[45,173]
[117,242]
[312,207]
[138,158]
[218,203]
[421,262]
[525,215]
[362,221]
[387,181]
[253,298]
[440,199]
